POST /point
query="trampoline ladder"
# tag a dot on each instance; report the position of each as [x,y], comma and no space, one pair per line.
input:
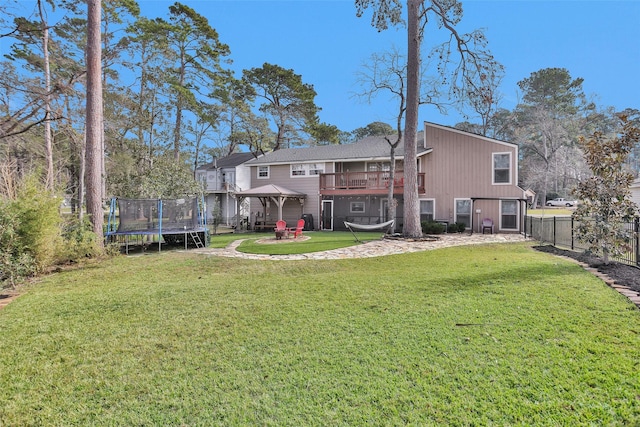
[196,239]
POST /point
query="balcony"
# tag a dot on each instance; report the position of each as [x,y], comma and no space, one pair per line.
[357,183]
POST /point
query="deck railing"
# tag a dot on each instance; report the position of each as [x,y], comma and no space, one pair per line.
[365,181]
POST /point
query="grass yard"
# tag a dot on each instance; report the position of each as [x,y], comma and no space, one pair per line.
[550,211]
[477,335]
[318,241]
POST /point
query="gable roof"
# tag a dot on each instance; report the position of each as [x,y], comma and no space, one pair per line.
[370,148]
[464,132]
[230,161]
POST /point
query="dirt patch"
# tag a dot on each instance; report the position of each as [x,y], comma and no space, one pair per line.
[622,274]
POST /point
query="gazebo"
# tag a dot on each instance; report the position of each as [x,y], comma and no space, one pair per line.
[268,193]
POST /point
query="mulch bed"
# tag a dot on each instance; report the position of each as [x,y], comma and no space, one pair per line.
[622,274]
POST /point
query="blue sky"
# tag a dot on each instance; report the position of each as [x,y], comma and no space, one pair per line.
[326,43]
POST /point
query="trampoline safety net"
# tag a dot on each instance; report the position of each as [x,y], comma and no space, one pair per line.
[153,215]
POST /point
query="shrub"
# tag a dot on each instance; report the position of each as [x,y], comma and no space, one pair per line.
[79,241]
[15,264]
[39,221]
[461,227]
[432,227]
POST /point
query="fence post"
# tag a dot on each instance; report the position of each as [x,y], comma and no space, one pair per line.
[637,233]
[571,232]
[554,230]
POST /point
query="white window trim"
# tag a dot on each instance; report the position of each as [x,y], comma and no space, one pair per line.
[517,216]
[263,177]
[493,168]
[364,207]
[455,209]
[307,167]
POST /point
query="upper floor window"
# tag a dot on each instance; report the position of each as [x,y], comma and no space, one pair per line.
[502,168]
[379,167]
[263,172]
[306,169]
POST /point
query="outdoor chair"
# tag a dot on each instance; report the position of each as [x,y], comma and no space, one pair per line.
[297,231]
[487,224]
[281,229]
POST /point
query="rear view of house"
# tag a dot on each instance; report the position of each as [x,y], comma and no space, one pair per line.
[462,178]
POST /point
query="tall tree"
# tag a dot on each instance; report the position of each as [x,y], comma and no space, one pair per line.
[93,182]
[287,101]
[549,120]
[463,60]
[604,199]
[372,129]
[48,143]
[197,51]
[235,97]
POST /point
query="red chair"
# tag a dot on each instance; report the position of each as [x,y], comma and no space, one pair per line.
[281,229]
[297,231]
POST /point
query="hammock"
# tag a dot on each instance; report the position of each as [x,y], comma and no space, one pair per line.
[368,227]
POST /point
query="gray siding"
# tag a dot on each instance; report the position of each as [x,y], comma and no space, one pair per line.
[292,210]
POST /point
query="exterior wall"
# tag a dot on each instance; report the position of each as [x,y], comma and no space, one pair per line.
[461,167]
[292,210]
[635,192]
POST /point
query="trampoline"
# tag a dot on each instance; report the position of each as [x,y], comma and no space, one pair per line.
[172,220]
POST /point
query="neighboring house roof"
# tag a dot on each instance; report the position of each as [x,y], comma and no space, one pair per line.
[369,148]
[230,161]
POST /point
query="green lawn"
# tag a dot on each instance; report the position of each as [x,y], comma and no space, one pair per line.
[316,242]
[550,211]
[477,335]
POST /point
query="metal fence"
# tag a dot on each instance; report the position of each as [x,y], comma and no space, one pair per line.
[560,231]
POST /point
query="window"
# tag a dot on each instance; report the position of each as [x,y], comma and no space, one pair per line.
[307,169]
[509,215]
[316,169]
[263,172]
[298,170]
[463,211]
[502,168]
[356,207]
[379,167]
[426,210]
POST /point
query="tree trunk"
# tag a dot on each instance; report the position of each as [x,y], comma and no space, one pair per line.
[391,201]
[48,144]
[411,225]
[94,120]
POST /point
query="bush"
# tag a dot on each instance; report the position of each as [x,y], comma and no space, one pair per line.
[39,221]
[432,227]
[15,264]
[461,227]
[79,241]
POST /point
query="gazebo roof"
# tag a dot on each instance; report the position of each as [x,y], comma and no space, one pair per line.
[271,190]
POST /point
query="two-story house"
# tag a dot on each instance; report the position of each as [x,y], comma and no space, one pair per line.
[221,180]
[462,177]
